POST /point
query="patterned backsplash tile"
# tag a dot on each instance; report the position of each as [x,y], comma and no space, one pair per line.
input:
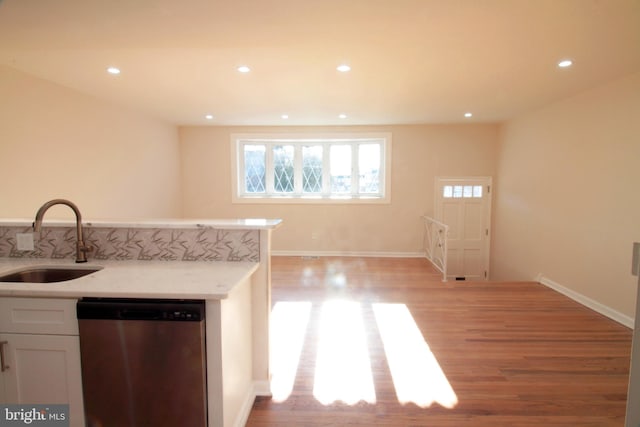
[142,244]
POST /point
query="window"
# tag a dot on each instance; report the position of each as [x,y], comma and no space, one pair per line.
[305,168]
[462,191]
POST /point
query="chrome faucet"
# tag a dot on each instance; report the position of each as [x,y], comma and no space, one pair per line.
[81,248]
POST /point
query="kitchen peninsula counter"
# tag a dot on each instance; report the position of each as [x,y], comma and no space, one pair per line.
[226,263]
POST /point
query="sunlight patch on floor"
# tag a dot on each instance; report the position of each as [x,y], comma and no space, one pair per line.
[288,328]
[343,367]
[417,375]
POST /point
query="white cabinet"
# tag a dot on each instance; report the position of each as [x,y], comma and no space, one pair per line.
[41,354]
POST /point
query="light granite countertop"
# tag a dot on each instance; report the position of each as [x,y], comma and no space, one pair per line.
[228,224]
[133,279]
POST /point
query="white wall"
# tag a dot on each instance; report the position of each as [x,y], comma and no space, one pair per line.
[419,154]
[55,142]
[566,203]
[565,179]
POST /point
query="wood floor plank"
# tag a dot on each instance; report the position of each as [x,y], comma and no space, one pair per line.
[515,354]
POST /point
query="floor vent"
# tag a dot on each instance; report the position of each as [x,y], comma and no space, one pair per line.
[460,279]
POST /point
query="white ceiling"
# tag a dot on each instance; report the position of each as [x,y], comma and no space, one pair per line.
[413,61]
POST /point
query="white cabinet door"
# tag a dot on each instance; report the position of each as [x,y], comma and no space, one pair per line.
[43,369]
[3,393]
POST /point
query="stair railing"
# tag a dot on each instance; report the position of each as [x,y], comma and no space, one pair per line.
[435,244]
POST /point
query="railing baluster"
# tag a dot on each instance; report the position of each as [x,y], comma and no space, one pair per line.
[435,244]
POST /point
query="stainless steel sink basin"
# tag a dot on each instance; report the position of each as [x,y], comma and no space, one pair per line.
[47,274]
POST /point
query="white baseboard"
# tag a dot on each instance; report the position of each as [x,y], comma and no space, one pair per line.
[350,254]
[587,302]
[245,409]
[259,388]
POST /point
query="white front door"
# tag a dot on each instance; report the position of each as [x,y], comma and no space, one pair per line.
[464,204]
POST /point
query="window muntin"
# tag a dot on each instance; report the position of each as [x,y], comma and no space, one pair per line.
[462,191]
[254,169]
[312,169]
[344,168]
[283,176]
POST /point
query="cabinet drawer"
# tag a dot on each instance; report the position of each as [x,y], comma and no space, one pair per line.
[38,316]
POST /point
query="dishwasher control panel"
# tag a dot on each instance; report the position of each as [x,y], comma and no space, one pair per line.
[141,309]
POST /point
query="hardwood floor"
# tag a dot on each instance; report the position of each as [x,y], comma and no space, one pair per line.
[514,354]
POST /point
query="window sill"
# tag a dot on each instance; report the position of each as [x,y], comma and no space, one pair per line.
[338,200]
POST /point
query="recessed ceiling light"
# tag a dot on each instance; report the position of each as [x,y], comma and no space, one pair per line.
[113,70]
[343,68]
[285,116]
[209,117]
[565,63]
[244,69]
[342,116]
[468,115]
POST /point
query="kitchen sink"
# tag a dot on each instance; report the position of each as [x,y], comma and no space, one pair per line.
[47,274]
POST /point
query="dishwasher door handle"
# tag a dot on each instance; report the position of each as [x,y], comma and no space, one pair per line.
[3,367]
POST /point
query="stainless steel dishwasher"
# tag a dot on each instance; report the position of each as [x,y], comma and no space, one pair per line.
[143,362]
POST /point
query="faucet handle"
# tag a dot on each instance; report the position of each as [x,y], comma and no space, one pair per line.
[81,251]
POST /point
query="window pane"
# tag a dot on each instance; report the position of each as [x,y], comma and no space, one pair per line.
[312,169]
[254,168]
[447,191]
[340,168]
[457,191]
[283,168]
[467,192]
[477,191]
[369,168]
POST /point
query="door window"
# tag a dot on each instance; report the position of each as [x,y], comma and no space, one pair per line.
[462,191]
